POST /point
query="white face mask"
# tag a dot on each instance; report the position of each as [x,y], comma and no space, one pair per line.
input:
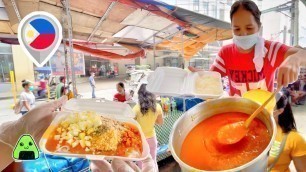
[246,42]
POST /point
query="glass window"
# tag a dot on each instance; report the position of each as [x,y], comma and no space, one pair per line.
[205,8]
[6,62]
[172,61]
[196,6]
[213,11]
[221,14]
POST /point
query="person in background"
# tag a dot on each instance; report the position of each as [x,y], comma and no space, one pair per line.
[121,96]
[289,144]
[183,66]
[301,91]
[27,98]
[132,93]
[297,91]
[59,87]
[70,93]
[92,84]
[42,86]
[53,91]
[302,99]
[64,91]
[292,94]
[148,113]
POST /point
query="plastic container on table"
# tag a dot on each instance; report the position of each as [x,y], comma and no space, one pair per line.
[170,81]
[260,96]
[114,110]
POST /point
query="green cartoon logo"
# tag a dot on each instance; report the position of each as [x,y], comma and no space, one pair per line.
[26,148]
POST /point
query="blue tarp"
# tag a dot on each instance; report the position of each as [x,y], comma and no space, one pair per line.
[189,102]
[50,163]
[45,70]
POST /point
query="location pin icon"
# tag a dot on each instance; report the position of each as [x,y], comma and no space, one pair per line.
[39,35]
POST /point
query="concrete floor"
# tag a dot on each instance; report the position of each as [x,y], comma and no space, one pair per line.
[107,88]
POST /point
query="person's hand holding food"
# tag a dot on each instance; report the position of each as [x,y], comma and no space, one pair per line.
[118,165]
[35,122]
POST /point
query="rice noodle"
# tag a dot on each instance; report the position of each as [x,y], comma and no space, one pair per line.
[208,85]
[61,149]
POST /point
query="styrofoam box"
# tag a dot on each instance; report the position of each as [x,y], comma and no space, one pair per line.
[114,110]
[170,81]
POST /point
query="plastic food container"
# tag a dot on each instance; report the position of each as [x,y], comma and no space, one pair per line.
[260,96]
[114,110]
[170,81]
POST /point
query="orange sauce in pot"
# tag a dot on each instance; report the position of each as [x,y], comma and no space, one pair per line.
[201,149]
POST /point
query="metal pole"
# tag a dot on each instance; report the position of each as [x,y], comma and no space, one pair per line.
[101,20]
[285,34]
[2,71]
[184,104]
[16,10]
[167,27]
[154,49]
[65,52]
[296,22]
[12,77]
[69,22]
[182,38]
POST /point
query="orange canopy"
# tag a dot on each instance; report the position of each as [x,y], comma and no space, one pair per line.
[108,55]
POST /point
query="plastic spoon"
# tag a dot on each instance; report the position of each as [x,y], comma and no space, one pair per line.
[234,132]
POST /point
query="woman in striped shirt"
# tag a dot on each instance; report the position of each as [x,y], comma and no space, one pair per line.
[251,61]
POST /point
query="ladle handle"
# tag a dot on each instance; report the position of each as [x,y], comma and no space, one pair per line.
[258,110]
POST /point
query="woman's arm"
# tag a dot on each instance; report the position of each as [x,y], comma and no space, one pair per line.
[288,71]
[9,135]
[5,156]
[293,50]
[300,163]
[26,105]
[160,119]
[160,113]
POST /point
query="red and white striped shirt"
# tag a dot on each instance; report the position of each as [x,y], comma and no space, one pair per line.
[241,71]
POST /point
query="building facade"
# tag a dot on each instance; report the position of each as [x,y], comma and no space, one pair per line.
[13,58]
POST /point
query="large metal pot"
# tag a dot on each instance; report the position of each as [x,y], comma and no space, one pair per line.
[207,109]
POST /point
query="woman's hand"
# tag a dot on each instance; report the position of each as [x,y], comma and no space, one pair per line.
[118,165]
[289,70]
[35,122]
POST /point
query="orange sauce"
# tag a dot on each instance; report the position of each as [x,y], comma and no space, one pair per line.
[131,141]
[201,149]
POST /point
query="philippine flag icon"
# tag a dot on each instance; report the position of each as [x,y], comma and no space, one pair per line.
[39,34]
